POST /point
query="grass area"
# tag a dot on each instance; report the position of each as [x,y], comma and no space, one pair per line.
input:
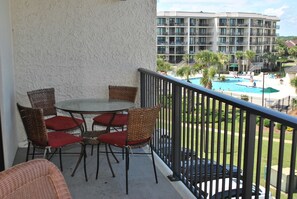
[229,143]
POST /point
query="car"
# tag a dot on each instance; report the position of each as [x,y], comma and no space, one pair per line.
[225,193]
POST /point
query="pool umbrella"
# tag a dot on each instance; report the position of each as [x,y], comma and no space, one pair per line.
[234,67]
[270,90]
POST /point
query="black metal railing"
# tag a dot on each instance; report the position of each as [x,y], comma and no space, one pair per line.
[218,145]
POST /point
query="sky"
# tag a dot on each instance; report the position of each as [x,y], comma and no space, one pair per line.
[284,9]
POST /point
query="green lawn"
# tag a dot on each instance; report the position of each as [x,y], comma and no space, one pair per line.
[189,141]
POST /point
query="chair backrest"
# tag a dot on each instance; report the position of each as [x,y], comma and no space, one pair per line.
[141,123]
[45,99]
[34,124]
[34,179]
[122,93]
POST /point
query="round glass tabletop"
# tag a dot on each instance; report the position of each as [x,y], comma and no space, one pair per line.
[93,105]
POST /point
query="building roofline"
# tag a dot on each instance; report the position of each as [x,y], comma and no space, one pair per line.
[215,15]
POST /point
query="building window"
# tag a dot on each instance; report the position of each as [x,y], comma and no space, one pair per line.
[223,22]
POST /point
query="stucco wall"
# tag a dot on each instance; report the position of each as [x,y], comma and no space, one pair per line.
[80,47]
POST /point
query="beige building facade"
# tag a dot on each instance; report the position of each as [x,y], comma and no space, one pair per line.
[180,33]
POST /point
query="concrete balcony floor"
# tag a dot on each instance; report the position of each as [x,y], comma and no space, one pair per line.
[141,176]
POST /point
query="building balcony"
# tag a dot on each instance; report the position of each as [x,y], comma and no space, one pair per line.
[162,24]
[161,52]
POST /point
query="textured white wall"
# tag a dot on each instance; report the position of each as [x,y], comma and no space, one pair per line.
[79,47]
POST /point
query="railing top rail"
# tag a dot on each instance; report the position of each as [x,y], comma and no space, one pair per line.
[247,106]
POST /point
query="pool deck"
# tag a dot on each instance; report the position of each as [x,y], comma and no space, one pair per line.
[284,87]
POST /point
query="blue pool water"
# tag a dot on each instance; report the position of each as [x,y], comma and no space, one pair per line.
[231,85]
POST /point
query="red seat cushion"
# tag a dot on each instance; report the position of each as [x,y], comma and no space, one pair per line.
[62,123]
[118,120]
[59,139]
[119,139]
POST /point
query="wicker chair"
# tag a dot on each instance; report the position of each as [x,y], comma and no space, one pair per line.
[120,119]
[45,99]
[141,124]
[34,179]
[39,137]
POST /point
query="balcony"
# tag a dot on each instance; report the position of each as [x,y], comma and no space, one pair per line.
[196,125]
[141,182]
[80,58]
[199,124]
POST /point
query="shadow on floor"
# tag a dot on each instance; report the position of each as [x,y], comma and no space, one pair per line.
[141,177]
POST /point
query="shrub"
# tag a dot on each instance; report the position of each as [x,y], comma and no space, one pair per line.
[222,78]
[244,97]
[278,126]
[266,122]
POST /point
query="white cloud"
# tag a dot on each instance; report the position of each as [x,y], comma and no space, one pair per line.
[276,11]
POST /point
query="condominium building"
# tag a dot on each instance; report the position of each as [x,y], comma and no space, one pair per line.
[180,33]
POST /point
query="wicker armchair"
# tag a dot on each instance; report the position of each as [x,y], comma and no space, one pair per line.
[45,99]
[120,120]
[39,137]
[34,179]
[140,128]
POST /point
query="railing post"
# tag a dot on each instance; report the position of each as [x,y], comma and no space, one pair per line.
[142,89]
[176,132]
[249,153]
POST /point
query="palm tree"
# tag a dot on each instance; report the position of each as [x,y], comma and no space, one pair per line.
[162,65]
[207,77]
[186,58]
[187,70]
[249,55]
[270,59]
[206,58]
[239,57]
[223,60]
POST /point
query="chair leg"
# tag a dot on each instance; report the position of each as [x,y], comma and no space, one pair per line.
[33,153]
[123,151]
[60,157]
[107,156]
[52,154]
[93,125]
[85,159]
[28,151]
[154,165]
[79,159]
[98,145]
[127,168]
[112,153]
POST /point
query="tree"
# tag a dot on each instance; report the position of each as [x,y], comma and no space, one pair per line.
[162,65]
[269,60]
[186,58]
[294,83]
[206,58]
[223,60]
[293,51]
[207,77]
[249,55]
[187,70]
[239,57]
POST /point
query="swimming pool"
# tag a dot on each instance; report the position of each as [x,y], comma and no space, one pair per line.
[231,84]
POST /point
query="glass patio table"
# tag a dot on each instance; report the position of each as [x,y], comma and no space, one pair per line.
[92,106]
